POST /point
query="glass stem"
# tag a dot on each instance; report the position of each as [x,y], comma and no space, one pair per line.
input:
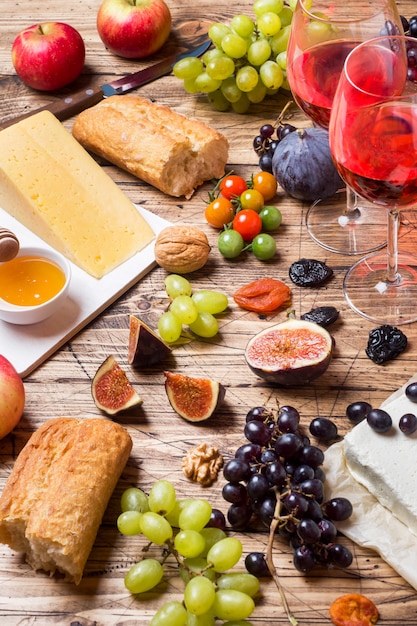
[392,245]
[352,212]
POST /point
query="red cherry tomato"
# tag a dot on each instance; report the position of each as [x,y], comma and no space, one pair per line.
[232,186]
[248,223]
[219,212]
[266,183]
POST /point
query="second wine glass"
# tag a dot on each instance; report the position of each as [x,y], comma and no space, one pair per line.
[323,33]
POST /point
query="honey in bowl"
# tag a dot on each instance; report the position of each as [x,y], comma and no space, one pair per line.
[30,280]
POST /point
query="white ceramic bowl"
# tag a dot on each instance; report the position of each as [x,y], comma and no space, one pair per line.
[15,314]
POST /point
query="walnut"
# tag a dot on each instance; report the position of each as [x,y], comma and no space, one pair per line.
[202,464]
[181,249]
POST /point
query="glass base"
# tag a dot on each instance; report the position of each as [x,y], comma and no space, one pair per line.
[331,229]
[369,295]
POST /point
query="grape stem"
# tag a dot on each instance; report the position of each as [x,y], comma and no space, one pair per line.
[270,562]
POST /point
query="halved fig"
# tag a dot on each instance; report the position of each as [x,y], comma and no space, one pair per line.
[145,347]
[290,354]
[194,399]
[111,389]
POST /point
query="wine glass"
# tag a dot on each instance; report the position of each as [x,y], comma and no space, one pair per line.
[323,32]
[373,139]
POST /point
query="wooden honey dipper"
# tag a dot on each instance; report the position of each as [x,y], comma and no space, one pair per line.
[9,245]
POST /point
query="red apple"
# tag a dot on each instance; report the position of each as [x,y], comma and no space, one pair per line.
[134,29]
[48,56]
[12,397]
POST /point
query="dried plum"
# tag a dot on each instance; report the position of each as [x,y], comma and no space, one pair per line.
[385,343]
[322,315]
[309,272]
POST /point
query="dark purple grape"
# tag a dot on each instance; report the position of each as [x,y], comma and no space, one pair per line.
[323,429]
[275,474]
[408,423]
[288,419]
[290,465]
[257,486]
[379,420]
[239,516]
[259,144]
[302,472]
[257,432]
[411,392]
[285,129]
[268,456]
[328,531]
[273,145]
[304,560]
[258,413]
[320,474]
[338,509]
[314,510]
[288,445]
[412,26]
[340,555]
[405,23]
[235,493]
[296,503]
[236,470]
[249,452]
[256,565]
[266,510]
[217,520]
[311,455]
[357,411]
[313,487]
[308,531]
[266,131]
[265,162]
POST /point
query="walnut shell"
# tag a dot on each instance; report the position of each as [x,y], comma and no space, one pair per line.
[181,249]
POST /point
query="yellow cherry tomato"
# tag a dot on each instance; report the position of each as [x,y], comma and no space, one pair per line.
[252,199]
[266,184]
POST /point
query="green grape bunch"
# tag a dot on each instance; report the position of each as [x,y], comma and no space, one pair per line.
[248,59]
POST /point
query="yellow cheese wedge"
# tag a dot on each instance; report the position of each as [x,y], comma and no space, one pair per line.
[50,183]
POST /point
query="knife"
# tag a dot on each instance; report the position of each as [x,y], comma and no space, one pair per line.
[71,105]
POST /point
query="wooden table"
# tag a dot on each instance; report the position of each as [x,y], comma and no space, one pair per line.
[62,385]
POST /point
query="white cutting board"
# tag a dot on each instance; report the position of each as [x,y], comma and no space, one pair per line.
[26,347]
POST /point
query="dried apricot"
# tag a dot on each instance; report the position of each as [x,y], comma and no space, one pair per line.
[263,296]
[353,609]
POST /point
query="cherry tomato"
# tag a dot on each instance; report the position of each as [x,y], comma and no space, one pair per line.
[247,223]
[266,184]
[232,186]
[219,212]
[252,199]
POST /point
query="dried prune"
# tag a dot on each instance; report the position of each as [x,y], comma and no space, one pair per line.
[385,343]
[322,315]
[309,272]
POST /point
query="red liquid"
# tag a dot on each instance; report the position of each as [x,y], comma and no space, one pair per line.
[314,76]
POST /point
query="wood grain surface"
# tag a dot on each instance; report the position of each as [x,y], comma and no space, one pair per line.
[62,385]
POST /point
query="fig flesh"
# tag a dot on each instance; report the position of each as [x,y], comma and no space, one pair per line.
[290,354]
[194,399]
[111,389]
[145,347]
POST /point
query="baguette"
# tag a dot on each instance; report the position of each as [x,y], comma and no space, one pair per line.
[54,499]
[153,142]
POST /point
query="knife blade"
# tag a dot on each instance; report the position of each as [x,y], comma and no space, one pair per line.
[71,105]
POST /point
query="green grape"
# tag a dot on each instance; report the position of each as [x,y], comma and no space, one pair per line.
[279,43]
[210,301]
[285,84]
[242,25]
[221,67]
[271,75]
[144,576]
[128,523]
[195,514]
[210,55]
[169,327]
[172,516]
[189,67]
[269,24]
[241,581]
[286,16]
[242,105]
[318,32]
[190,86]
[247,78]
[217,31]
[264,246]
[259,52]
[184,309]
[218,100]
[162,497]
[211,536]
[234,45]
[230,90]
[271,217]
[265,6]
[134,499]
[176,285]
[231,604]
[225,554]
[199,595]
[207,619]
[189,543]
[155,528]
[281,60]
[205,83]
[205,325]
[258,94]
[197,565]
[170,614]
[230,243]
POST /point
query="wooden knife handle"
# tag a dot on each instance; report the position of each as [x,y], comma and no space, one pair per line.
[64,107]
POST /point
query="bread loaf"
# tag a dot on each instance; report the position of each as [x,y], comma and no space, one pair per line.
[54,499]
[165,149]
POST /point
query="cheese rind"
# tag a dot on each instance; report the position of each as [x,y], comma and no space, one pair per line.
[50,183]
